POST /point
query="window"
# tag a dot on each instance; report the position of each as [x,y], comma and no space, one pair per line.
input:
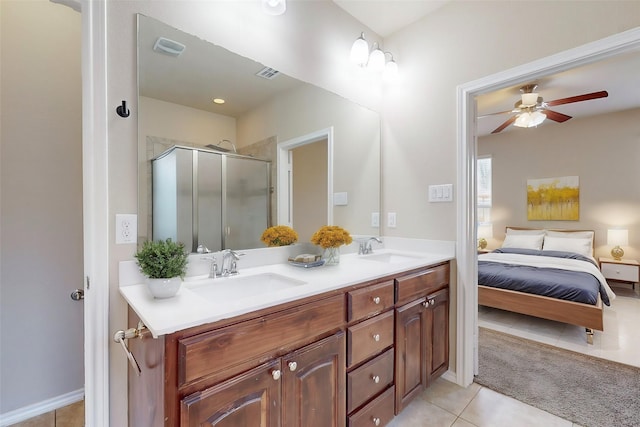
[484,189]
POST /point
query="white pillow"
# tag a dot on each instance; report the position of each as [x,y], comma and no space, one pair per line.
[579,246]
[523,241]
[571,234]
[536,232]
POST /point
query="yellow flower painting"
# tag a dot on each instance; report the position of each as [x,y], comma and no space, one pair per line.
[553,199]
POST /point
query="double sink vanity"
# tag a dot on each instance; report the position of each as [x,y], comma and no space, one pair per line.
[280,345]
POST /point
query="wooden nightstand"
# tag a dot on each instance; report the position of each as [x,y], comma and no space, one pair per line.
[625,270]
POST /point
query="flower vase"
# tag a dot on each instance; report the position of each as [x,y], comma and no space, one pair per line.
[331,256]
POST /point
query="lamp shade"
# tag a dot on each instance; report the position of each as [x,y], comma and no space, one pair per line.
[485,230]
[617,237]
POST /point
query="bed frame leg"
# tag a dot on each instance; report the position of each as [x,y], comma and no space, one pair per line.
[589,335]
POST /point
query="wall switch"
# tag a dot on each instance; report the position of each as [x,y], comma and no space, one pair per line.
[126,228]
[441,193]
[391,220]
[375,219]
[340,199]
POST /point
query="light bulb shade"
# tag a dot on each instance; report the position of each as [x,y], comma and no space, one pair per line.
[274,7]
[377,60]
[529,99]
[528,120]
[360,51]
[390,70]
[617,237]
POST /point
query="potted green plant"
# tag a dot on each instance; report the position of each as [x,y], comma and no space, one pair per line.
[164,263]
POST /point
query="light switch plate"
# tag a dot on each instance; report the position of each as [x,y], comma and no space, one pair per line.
[441,193]
[375,219]
[340,199]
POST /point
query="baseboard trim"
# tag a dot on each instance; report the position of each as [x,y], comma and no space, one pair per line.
[450,376]
[33,410]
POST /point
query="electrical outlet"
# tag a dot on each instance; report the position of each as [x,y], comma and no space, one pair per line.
[391,220]
[375,219]
[126,228]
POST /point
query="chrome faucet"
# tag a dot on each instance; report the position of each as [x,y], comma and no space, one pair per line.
[213,266]
[229,266]
[365,246]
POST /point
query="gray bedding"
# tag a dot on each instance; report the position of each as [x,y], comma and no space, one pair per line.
[551,282]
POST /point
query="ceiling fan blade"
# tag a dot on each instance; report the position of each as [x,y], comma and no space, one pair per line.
[579,98]
[555,116]
[498,113]
[505,124]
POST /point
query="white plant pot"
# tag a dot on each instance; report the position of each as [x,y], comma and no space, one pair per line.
[164,288]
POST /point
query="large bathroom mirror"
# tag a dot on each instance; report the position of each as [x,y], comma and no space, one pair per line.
[331,145]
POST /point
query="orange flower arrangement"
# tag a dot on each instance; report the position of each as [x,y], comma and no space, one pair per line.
[331,236]
[279,235]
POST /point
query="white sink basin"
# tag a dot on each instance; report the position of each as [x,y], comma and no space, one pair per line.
[390,257]
[232,288]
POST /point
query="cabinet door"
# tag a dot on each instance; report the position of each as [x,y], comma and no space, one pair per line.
[437,334]
[411,352]
[313,385]
[250,399]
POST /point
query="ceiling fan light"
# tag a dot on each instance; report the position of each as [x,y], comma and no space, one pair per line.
[360,51]
[537,118]
[529,99]
[523,120]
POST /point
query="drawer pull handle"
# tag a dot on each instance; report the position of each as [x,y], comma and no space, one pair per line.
[376,379]
[376,300]
[292,366]
[376,337]
[376,421]
[276,374]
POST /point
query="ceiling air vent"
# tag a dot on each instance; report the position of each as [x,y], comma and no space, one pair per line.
[268,73]
[168,47]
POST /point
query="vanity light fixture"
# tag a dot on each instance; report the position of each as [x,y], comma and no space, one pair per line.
[376,60]
[274,7]
[617,238]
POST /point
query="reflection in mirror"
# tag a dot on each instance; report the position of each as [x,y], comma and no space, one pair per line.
[265,114]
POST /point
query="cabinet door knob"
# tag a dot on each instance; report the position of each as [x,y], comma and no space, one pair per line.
[425,304]
[276,374]
[376,300]
[376,421]
[292,366]
[376,337]
[376,379]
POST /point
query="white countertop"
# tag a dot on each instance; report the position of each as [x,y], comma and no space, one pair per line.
[188,309]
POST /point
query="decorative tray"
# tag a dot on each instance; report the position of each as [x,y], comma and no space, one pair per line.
[307,263]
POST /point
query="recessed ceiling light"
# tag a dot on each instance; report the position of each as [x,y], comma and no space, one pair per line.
[218,100]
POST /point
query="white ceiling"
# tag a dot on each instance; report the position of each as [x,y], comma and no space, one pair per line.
[619,76]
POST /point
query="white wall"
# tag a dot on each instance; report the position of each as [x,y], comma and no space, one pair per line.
[460,42]
[603,151]
[41,328]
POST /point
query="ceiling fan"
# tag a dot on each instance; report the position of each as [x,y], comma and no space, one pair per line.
[531,109]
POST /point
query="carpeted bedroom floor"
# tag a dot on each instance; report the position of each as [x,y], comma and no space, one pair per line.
[619,342]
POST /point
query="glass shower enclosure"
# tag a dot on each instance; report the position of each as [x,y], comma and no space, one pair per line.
[202,197]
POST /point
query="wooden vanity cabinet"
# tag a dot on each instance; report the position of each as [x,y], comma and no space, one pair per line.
[370,365]
[352,357]
[421,332]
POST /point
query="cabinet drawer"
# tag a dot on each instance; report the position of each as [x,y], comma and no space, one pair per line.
[420,284]
[223,349]
[369,380]
[622,272]
[377,413]
[369,301]
[369,338]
